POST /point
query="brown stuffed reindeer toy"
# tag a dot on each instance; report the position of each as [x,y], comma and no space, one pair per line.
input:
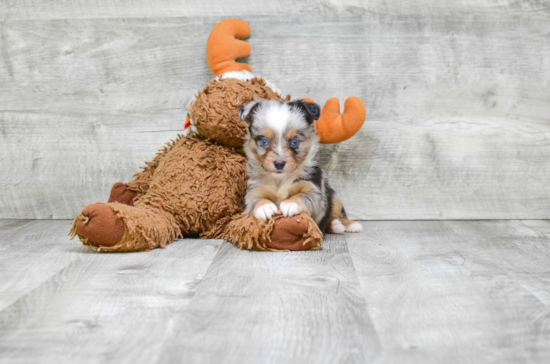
[196,184]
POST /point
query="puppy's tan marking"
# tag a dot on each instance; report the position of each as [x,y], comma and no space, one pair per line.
[268,133]
[262,192]
[302,187]
[291,134]
[347,222]
[336,211]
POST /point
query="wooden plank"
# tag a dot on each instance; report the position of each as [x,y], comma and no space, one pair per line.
[439,8]
[88,128]
[455,291]
[98,307]
[31,252]
[55,9]
[66,169]
[458,114]
[295,307]
[522,249]
[540,226]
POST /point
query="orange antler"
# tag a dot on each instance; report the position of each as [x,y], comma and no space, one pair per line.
[333,127]
[223,46]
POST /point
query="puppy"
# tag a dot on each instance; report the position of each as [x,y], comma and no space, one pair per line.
[282,165]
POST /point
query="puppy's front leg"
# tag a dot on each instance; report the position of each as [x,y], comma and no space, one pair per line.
[259,202]
[294,206]
[264,209]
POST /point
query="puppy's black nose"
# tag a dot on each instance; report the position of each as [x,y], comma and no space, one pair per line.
[279,164]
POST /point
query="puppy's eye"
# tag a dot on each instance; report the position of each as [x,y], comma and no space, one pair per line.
[264,142]
[294,142]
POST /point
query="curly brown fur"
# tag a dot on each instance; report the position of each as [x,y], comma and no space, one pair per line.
[198,182]
[140,183]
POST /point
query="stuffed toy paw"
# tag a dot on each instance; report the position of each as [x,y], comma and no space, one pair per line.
[276,234]
[196,184]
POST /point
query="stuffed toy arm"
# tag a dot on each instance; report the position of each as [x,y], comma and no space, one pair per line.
[126,193]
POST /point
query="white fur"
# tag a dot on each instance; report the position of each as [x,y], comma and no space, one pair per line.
[290,208]
[280,118]
[266,211]
[245,76]
[337,227]
[239,75]
[276,116]
[354,228]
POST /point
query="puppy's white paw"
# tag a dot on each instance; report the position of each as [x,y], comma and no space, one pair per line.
[336,227]
[265,212]
[290,208]
[354,227]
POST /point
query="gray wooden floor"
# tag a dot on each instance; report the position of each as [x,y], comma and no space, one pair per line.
[401,292]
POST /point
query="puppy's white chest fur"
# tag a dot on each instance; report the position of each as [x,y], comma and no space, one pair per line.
[283,191]
[279,187]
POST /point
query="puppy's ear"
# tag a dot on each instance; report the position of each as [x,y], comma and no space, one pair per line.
[312,109]
[246,111]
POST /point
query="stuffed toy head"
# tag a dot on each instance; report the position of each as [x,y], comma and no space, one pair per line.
[215,112]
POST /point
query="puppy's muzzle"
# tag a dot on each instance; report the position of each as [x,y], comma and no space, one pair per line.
[279,165]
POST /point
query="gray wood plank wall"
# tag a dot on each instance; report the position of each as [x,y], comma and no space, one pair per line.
[457,95]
